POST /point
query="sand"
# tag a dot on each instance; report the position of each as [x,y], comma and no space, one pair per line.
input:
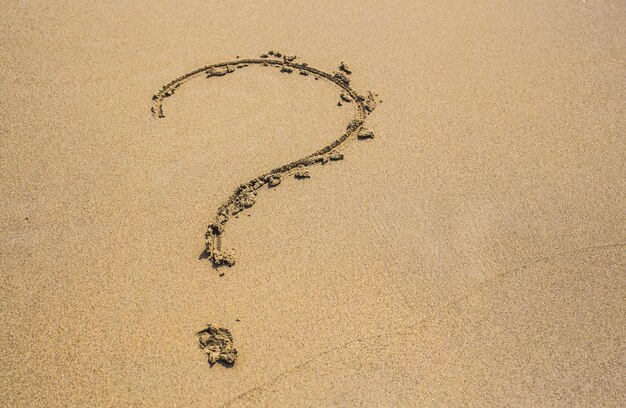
[473,252]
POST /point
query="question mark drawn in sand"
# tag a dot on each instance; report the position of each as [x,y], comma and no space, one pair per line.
[244,195]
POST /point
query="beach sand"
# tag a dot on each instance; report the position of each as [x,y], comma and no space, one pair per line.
[473,253]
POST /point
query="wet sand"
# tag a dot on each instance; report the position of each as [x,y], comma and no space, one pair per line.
[472,253]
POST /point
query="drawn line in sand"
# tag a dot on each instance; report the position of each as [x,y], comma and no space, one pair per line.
[245,195]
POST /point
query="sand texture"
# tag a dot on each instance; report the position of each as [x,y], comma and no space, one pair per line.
[462,244]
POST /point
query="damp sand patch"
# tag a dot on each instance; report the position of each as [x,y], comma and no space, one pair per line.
[217,344]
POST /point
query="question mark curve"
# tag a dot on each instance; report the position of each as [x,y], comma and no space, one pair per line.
[244,196]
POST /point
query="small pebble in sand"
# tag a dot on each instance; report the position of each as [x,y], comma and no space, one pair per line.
[216,71]
[307,161]
[365,134]
[286,69]
[345,97]
[223,258]
[345,68]
[321,159]
[247,200]
[342,77]
[336,156]
[264,56]
[301,174]
[273,181]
